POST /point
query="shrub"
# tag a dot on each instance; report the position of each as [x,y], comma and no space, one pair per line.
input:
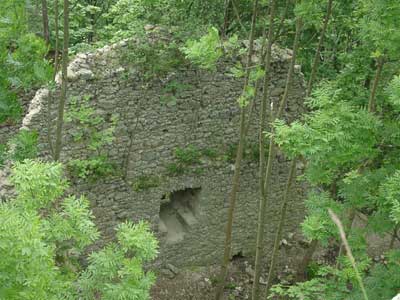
[41,241]
[24,145]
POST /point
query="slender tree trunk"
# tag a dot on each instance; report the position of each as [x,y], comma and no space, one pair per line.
[238,162]
[45,20]
[61,105]
[265,97]
[371,103]
[257,85]
[268,171]
[317,53]
[278,235]
[263,109]
[57,38]
[56,63]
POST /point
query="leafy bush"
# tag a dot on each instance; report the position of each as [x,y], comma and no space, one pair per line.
[175,169]
[153,59]
[22,60]
[24,145]
[188,156]
[92,168]
[114,273]
[206,51]
[333,138]
[43,235]
[383,280]
[210,153]
[394,93]
[10,109]
[185,158]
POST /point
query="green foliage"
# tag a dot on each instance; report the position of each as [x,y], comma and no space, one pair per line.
[185,158]
[80,111]
[3,154]
[382,282]
[175,169]
[312,12]
[153,59]
[380,26]
[10,109]
[188,156]
[231,153]
[210,153]
[93,168]
[333,138]
[247,96]
[43,235]
[42,182]
[26,65]
[114,273]
[318,225]
[73,223]
[27,269]
[94,24]
[388,200]
[93,131]
[328,284]
[394,93]
[24,145]
[146,182]
[309,290]
[352,154]
[22,58]
[206,51]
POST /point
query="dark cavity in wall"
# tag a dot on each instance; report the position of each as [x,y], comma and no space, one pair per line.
[238,256]
[179,213]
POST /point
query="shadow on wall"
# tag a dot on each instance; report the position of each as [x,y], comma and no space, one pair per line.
[179,213]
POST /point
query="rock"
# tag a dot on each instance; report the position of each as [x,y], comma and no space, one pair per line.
[167,273]
[249,270]
[396,297]
[149,27]
[71,75]
[173,269]
[277,92]
[85,74]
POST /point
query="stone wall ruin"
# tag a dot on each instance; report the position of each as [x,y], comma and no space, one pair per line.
[185,199]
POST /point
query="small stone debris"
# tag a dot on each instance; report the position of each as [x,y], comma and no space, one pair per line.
[173,269]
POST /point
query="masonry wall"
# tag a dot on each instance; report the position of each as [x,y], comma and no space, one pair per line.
[203,116]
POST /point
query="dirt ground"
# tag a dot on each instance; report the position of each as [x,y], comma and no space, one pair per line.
[199,283]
